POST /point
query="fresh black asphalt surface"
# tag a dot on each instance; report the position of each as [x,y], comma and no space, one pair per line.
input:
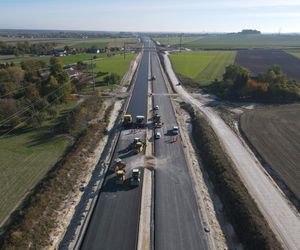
[138,102]
[114,222]
[177,222]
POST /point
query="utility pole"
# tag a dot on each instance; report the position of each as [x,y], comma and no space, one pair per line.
[180,42]
[124,50]
[93,79]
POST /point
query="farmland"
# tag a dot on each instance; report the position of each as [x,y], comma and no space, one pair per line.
[295,53]
[275,134]
[202,66]
[233,41]
[25,157]
[259,60]
[114,64]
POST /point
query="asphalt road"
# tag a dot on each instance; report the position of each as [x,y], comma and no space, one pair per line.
[114,222]
[177,221]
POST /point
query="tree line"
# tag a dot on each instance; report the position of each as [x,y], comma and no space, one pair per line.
[22,48]
[271,85]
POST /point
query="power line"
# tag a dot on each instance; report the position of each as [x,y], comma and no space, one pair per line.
[20,123]
[15,90]
[20,112]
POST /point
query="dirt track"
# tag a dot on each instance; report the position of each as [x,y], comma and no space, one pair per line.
[258,60]
[275,133]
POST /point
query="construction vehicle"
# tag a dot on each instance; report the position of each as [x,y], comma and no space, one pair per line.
[120,177]
[127,120]
[118,165]
[140,121]
[156,120]
[137,146]
[135,177]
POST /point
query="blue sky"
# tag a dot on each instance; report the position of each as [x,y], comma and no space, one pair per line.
[154,15]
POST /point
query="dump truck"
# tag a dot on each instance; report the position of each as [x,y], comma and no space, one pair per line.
[127,120]
[135,177]
[140,121]
[120,177]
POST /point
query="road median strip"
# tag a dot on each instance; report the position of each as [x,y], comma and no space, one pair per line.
[145,234]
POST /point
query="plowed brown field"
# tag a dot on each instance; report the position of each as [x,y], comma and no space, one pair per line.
[258,60]
[275,134]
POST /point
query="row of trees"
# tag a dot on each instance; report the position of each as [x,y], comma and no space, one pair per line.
[22,48]
[47,48]
[271,85]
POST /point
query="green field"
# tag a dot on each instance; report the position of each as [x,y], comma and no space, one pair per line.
[102,42]
[295,53]
[233,41]
[25,157]
[202,66]
[115,64]
[176,40]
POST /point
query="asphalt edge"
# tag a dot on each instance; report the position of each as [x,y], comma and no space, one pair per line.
[115,139]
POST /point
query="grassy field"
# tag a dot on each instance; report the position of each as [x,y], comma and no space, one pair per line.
[176,40]
[235,41]
[295,53]
[202,66]
[275,134]
[114,64]
[24,160]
